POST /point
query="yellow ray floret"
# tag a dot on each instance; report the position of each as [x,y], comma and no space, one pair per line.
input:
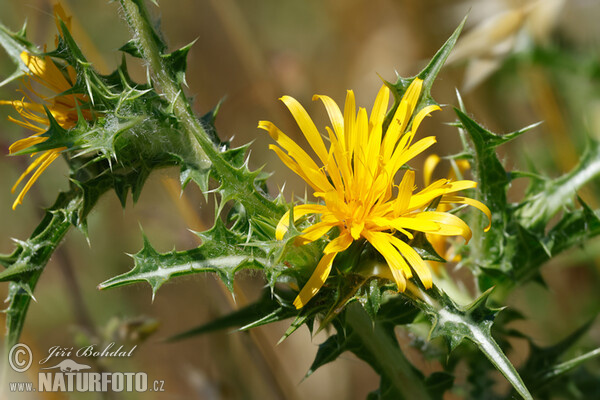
[62,107]
[355,180]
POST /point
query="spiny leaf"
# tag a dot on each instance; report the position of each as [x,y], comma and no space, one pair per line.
[221,252]
[558,370]
[252,315]
[574,228]
[432,69]
[428,75]
[131,48]
[536,210]
[543,359]
[35,253]
[376,345]
[15,43]
[473,322]
[491,175]
[297,323]
[328,351]
[177,61]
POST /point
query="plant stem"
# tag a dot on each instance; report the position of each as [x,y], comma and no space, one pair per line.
[149,45]
[385,352]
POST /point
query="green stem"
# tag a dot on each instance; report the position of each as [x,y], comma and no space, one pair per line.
[149,45]
[28,262]
[472,322]
[386,353]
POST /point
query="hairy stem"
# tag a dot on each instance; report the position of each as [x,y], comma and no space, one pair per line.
[386,354]
[149,46]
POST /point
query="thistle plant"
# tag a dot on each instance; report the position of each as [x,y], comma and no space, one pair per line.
[361,258]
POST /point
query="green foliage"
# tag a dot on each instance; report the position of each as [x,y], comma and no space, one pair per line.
[221,252]
[520,240]
[125,130]
[14,44]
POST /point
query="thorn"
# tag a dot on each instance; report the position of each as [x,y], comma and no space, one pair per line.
[460,101]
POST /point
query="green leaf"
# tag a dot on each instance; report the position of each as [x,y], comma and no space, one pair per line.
[303,318]
[537,209]
[564,367]
[374,343]
[131,48]
[473,322]
[266,310]
[15,43]
[431,71]
[428,75]
[328,351]
[542,365]
[26,264]
[221,252]
[574,228]
[177,61]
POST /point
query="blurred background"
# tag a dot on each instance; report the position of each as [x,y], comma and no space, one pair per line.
[518,62]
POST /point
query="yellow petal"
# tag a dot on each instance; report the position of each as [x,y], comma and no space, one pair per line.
[415,223]
[381,242]
[436,189]
[46,72]
[402,156]
[338,244]
[428,167]
[360,153]
[404,191]
[322,271]
[472,202]
[299,212]
[307,126]
[331,165]
[408,103]
[422,114]
[450,225]
[304,162]
[288,144]
[22,144]
[48,158]
[349,121]
[415,261]
[380,106]
[315,178]
[314,232]
[316,281]
[356,229]
[335,115]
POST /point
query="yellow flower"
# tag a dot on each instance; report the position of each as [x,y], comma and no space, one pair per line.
[439,243]
[63,108]
[356,184]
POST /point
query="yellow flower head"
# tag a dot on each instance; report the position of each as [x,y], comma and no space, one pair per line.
[63,108]
[356,184]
